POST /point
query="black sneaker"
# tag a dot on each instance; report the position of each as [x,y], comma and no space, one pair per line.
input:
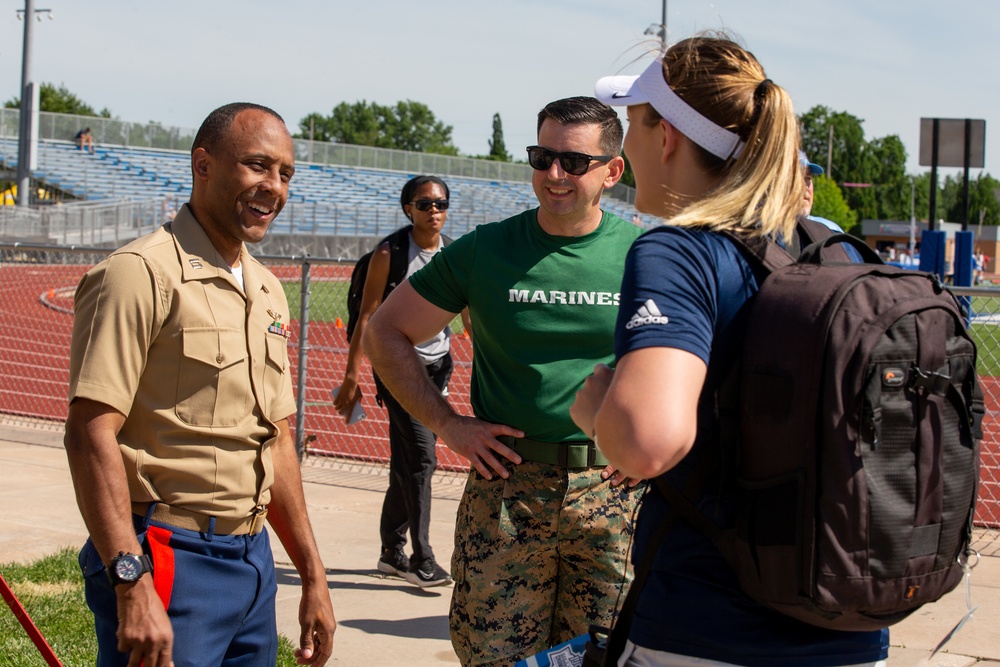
[393,562]
[427,574]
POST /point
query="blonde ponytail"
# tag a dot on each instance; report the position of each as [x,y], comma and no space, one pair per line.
[760,191]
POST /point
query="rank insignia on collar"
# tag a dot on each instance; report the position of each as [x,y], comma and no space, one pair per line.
[195,263]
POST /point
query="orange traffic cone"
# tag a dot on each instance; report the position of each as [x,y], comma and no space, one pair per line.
[339,323]
[52,294]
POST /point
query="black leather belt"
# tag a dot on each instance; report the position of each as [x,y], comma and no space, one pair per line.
[577,454]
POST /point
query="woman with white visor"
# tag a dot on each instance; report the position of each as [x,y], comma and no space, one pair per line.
[714,146]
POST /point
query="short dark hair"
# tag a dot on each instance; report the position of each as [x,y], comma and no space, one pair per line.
[406,196]
[219,121]
[587,111]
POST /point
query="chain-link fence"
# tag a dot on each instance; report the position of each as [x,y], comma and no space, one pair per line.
[37,283]
[36,301]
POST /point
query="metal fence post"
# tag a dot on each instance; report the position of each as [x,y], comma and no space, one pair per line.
[300,398]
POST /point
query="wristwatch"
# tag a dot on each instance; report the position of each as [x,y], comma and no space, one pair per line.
[127,568]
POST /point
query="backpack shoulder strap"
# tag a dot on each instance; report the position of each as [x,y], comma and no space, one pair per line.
[765,252]
[810,231]
[399,250]
[772,256]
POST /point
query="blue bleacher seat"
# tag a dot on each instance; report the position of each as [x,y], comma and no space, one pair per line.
[361,200]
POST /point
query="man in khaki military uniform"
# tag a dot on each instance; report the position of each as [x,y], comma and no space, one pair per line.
[178,435]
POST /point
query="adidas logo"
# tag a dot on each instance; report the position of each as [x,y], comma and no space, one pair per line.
[648,313]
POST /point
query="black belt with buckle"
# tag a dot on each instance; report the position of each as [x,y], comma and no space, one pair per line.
[575,455]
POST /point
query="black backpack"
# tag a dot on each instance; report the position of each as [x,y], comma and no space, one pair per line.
[852,423]
[399,249]
[859,425]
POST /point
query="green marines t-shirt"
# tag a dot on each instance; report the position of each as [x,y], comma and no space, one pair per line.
[543,313]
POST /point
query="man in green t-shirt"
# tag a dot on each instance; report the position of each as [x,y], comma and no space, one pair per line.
[541,541]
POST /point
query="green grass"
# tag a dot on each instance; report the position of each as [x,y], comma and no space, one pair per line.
[988,348]
[987,337]
[51,590]
[328,301]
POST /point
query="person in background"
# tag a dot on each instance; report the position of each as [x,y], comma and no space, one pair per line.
[84,140]
[714,147]
[811,170]
[412,446]
[178,437]
[543,526]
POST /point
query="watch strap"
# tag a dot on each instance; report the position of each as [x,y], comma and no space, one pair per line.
[145,565]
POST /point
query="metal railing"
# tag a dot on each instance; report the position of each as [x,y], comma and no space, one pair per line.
[95,224]
[314,229]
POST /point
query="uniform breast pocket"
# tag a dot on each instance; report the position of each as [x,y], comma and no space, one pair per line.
[213,380]
[275,370]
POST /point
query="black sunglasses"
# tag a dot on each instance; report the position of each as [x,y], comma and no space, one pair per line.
[573,163]
[425,204]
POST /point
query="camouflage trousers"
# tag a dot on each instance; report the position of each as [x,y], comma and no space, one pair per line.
[538,558]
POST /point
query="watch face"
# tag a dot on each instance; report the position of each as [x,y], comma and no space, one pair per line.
[128,568]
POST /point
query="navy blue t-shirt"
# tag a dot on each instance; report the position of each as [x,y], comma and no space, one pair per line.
[689,290]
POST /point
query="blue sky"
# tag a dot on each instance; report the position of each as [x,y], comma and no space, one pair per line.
[888,62]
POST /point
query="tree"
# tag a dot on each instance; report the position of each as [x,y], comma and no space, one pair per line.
[413,127]
[982,200]
[498,149]
[886,160]
[879,165]
[847,146]
[408,126]
[846,149]
[829,203]
[60,100]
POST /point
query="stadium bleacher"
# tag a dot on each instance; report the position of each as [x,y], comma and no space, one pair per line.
[326,199]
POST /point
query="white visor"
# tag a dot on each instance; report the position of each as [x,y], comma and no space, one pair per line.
[651,87]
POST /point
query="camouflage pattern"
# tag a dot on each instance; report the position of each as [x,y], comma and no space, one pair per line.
[538,558]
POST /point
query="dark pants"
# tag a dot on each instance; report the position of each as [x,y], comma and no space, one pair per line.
[219,592]
[412,461]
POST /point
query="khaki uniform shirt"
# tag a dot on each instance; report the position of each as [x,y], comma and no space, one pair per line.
[164,334]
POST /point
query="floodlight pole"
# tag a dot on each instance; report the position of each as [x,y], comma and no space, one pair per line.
[27,137]
[663,26]
[661,29]
[26,126]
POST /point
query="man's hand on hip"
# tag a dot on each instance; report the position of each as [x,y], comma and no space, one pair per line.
[477,441]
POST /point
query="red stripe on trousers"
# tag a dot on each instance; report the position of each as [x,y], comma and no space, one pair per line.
[163,562]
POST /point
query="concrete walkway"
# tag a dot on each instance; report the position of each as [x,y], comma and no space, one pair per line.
[384,620]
